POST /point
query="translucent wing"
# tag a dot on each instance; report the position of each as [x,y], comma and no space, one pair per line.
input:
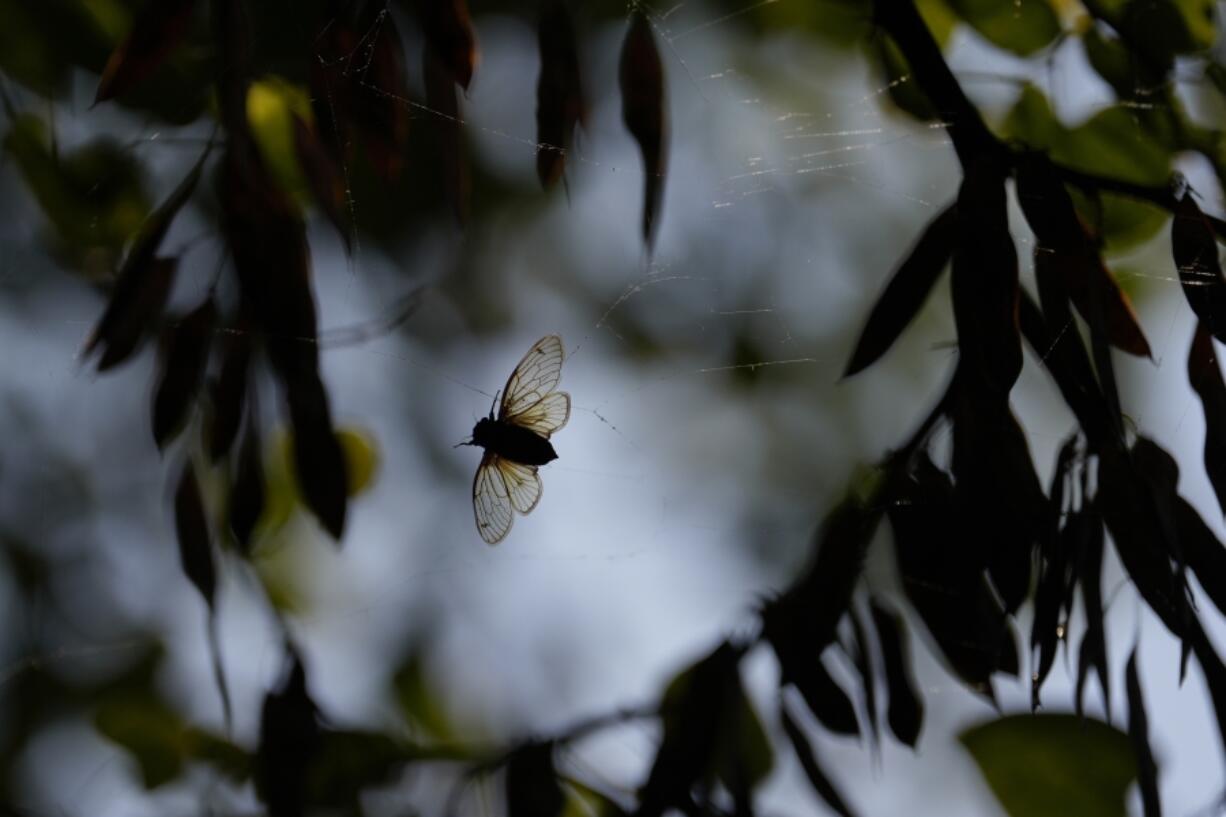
[491,502]
[535,377]
[546,415]
[523,483]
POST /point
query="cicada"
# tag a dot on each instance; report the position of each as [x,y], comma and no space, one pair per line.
[516,441]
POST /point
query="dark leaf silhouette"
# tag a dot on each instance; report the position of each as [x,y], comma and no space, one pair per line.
[812,768]
[691,712]
[183,360]
[1138,731]
[641,75]
[802,667]
[1206,378]
[560,104]
[319,463]
[1067,251]
[905,710]
[942,572]
[1053,592]
[324,176]
[155,32]
[247,492]
[135,307]
[532,784]
[289,742]
[347,761]
[449,33]
[442,99]
[907,290]
[1092,654]
[1194,246]
[228,393]
[360,95]
[143,282]
[1204,552]
[192,529]
[862,656]
[984,286]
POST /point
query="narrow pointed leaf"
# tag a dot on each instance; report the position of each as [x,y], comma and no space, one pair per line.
[319,463]
[907,290]
[441,98]
[247,493]
[1093,651]
[641,76]
[156,31]
[290,738]
[1138,731]
[1206,378]
[192,529]
[862,655]
[135,307]
[1195,249]
[812,768]
[186,352]
[228,394]
[1204,552]
[826,699]
[532,788]
[449,33]
[560,103]
[905,710]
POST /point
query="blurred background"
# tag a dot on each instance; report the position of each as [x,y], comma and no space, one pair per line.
[710,432]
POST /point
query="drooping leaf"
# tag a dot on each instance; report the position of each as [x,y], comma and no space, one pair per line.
[449,33]
[905,710]
[247,492]
[195,540]
[812,768]
[319,463]
[1138,732]
[1205,554]
[560,103]
[1088,539]
[641,78]
[862,656]
[184,357]
[532,788]
[906,291]
[441,98]
[802,667]
[1067,250]
[156,32]
[1206,379]
[1039,765]
[984,287]
[228,393]
[1196,258]
[1057,577]
[289,742]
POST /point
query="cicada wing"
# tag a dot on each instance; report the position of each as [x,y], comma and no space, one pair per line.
[491,500]
[523,484]
[545,416]
[534,378]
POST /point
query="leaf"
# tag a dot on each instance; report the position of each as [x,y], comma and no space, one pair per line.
[195,541]
[906,291]
[155,33]
[905,711]
[183,360]
[1055,582]
[641,77]
[812,768]
[247,494]
[1022,27]
[1196,258]
[143,281]
[863,659]
[560,102]
[1089,569]
[228,393]
[532,788]
[1067,250]
[1206,379]
[448,128]
[324,177]
[449,33]
[1039,765]
[319,462]
[1205,554]
[984,287]
[348,761]
[1138,731]
[289,742]
[802,667]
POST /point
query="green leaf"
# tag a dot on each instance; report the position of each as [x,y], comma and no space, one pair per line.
[1021,27]
[1039,765]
